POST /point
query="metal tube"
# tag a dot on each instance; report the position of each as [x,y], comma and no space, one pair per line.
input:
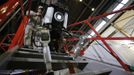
[125,66]
[22,7]
[79,31]
[100,16]
[105,38]
[10,18]
[29,6]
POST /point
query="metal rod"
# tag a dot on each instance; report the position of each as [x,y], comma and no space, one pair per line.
[125,66]
[18,38]
[100,16]
[29,6]
[5,24]
[78,31]
[105,38]
[7,55]
[83,10]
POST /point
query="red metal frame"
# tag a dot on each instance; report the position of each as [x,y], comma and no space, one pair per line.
[78,31]
[29,5]
[125,66]
[6,9]
[18,38]
[100,16]
[9,7]
[22,7]
[105,38]
[8,36]
[67,50]
[71,68]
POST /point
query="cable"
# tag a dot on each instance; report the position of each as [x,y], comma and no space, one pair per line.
[102,46]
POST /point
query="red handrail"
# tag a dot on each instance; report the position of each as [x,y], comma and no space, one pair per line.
[19,36]
[6,9]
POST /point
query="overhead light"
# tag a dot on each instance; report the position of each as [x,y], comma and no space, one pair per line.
[119,6]
[124,1]
[99,27]
[80,0]
[93,9]
[110,16]
[59,16]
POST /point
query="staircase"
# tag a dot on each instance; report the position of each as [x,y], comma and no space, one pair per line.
[30,59]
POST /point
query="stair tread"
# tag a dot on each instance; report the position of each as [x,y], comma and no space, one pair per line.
[42,60]
[40,55]
[33,50]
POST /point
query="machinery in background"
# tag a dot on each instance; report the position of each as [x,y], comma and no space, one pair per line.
[48,37]
[55,21]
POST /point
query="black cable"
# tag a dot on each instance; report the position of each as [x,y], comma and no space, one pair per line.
[102,46]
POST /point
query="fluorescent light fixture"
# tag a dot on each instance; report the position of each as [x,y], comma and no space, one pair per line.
[98,27]
[89,36]
[124,1]
[93,9]
[110,16]
[80,0]
[119,6]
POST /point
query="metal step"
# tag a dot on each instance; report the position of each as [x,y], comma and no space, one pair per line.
[28,50]
[32,59]
[34,63]
[36,51]
[26,54]
[42,60]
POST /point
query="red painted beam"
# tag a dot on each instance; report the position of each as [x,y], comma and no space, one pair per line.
[103,15]
[18,38]
[105,38]
[22,7]
[112,38]
[125,66]
[72,39]
[71,68]
[78,31]
[75,24]
[106,14]
[29,6]
[6,9]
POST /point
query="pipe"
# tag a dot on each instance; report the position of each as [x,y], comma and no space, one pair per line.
[105,38]
[22,7]
[5,24]
[100,16]
[125,66]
